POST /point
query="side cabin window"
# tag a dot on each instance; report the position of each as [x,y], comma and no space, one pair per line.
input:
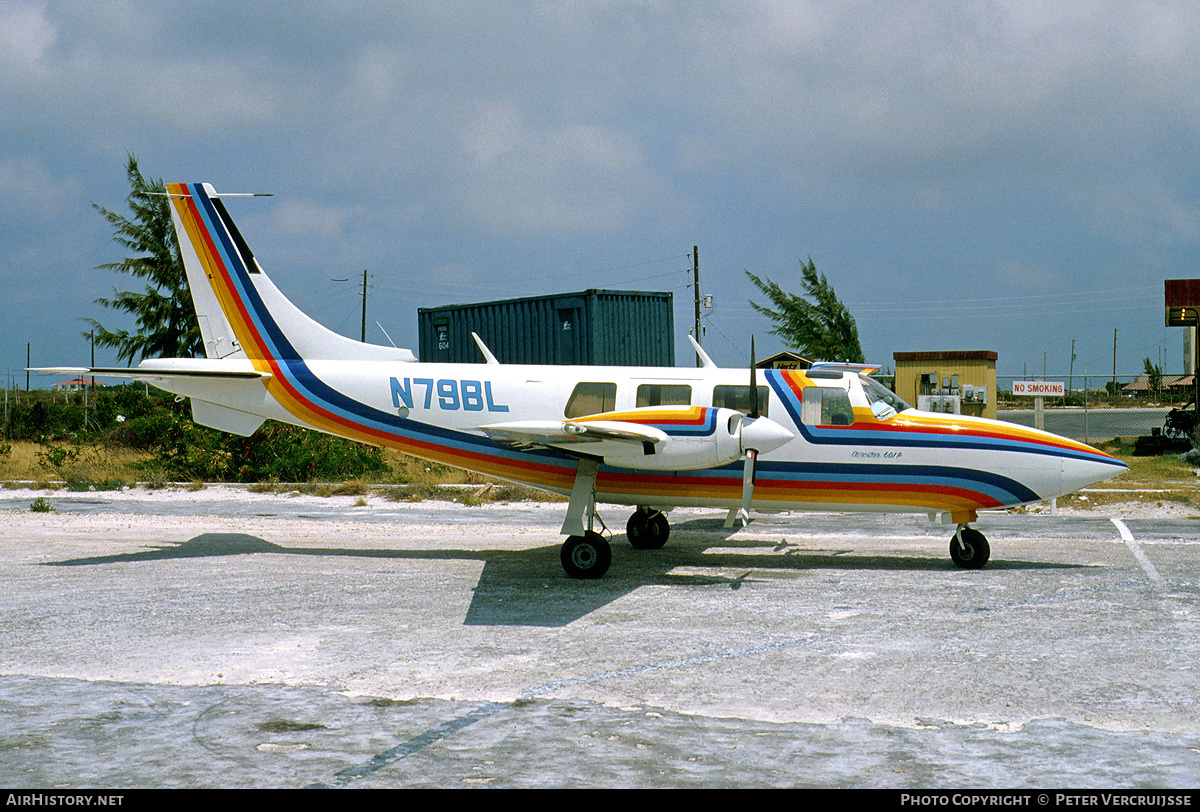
[826,406]
[591,397]
[664,394]
[739,397]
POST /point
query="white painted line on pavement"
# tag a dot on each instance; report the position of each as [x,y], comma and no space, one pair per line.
[1136,549]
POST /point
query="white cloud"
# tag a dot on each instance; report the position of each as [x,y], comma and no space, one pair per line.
[306,219]
[1138,210]
[25,33]
[29,190]
[494,131]
[570,177]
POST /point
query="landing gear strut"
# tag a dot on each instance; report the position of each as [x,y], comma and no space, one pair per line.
[647,529]
[585,553]
[969,548]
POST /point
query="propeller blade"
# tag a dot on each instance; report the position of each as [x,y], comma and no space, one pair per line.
[753,382]
[748,473]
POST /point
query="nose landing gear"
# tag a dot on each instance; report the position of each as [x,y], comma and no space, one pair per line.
[969,548]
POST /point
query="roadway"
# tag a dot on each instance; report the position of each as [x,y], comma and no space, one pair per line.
[228,639]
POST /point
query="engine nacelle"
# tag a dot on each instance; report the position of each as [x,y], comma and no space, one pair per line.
[654,438]
[685,439]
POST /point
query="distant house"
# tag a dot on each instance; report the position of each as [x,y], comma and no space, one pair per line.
[785,360]
[76,385]
[1170,383]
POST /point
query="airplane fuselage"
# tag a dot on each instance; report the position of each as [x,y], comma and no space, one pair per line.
[845,456]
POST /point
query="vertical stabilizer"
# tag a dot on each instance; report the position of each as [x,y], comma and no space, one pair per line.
[241,312]
[215,329]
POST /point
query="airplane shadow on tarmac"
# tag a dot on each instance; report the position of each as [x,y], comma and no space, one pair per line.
[529,588]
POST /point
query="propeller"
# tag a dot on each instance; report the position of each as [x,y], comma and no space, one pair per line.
[757,434]
[750,469]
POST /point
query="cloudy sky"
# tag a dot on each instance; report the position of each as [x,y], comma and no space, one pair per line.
[1012,176]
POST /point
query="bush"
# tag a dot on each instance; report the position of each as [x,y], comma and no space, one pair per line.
[183,450]
[290,454]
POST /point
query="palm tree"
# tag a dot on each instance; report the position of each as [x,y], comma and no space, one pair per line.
[166,320]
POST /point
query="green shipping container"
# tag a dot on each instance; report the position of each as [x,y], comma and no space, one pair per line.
[592,327]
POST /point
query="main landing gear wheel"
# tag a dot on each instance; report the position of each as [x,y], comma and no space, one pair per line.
[586,556]
[648,529]
[969,548]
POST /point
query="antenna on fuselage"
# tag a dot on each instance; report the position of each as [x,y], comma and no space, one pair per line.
[487,354]
[705,361]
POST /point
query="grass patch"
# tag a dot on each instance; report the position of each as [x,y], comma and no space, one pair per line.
[1158,481]
[106,485]
[99,465]
[1166,471]
[354,487]
[412,493]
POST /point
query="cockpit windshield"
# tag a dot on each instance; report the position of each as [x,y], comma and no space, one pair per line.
[883,401]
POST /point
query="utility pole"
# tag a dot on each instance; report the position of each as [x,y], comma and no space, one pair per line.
[1114,386]
[363,339]
[27,365]
[363,333]
[696,290]
[1071,376]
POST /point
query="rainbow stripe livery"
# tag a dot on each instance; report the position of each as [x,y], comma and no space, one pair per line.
[833,440]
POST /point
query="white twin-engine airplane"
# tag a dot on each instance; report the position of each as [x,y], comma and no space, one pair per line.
[654,438]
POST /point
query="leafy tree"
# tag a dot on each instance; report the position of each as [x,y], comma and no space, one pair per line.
[1153,376]
[166,321]
[821,329]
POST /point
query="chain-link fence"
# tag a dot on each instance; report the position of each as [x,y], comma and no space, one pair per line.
[1096,408]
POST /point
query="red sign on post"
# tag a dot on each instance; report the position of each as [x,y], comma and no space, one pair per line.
[1182,300]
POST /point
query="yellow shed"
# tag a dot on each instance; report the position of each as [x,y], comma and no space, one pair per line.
[957,381]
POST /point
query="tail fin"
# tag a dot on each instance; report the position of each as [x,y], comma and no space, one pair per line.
[241,312]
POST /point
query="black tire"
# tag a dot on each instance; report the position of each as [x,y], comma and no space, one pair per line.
[974,551]
[648,530]
[586,556]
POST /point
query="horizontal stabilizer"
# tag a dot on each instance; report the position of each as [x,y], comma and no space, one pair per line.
[161,369]
[223,418]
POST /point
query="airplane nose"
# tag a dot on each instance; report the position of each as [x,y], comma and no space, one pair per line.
[1079,473]
[763,434]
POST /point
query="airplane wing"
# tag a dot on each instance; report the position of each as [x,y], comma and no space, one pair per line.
[559,433]
[657,438]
